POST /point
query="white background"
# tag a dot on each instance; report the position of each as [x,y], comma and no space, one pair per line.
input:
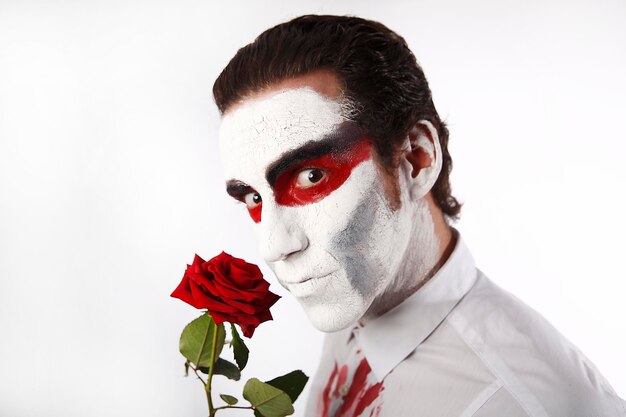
[110,182]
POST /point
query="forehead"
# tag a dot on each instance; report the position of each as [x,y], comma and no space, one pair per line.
[261,129]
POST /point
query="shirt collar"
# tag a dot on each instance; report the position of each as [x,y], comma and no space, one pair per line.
[389,339]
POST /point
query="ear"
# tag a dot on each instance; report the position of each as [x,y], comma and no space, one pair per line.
[421,159]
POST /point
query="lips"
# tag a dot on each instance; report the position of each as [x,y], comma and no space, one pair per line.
[314,273]
[308,286]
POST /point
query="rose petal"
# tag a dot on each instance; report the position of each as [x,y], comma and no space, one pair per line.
[248,308]
[246,279]
[270,299]
[231,294]
[247,331]
[220,318]
[248,319]
[206,300]
[183,292]
[198,274]
[197,260]
[237,279]
[221,276]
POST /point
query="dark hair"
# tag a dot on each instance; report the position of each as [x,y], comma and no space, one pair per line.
[375,64]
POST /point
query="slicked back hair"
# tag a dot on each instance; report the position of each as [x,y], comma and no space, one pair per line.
[378,71]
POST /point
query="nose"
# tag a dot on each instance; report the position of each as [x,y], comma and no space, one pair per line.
[280,235]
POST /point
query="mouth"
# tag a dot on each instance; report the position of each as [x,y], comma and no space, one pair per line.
[308,286]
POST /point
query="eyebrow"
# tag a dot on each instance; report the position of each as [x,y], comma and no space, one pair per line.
[346,135]
[237,189]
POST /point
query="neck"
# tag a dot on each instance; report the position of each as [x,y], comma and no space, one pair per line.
[432,242]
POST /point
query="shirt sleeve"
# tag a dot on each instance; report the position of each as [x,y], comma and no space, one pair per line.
[501,403]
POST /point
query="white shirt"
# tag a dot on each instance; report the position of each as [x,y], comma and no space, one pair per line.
[458,347]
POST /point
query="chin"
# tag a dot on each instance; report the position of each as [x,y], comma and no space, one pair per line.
[332,318]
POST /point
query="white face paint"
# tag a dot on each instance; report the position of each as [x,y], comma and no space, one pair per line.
[333,242]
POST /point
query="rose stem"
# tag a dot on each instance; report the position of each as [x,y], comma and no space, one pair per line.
[197,364]
[199,377]
[224,407]
[208,384]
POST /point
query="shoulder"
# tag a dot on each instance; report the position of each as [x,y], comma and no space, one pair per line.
[539,368]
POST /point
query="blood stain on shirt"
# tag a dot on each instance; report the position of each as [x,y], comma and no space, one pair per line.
[361,393]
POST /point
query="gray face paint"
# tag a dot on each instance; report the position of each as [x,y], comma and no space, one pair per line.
[351,245]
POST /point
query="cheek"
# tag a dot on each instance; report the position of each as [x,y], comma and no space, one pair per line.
[360,241]
[347,219]
[372,236]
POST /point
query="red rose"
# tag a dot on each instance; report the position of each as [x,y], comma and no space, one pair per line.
[230,288]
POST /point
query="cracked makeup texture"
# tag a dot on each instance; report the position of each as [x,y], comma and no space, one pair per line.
[348,255]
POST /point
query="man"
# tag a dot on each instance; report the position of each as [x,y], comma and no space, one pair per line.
[330,137]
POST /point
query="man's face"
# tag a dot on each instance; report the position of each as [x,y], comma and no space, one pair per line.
[311,185]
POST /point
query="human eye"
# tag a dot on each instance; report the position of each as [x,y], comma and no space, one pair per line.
[309,177]
[252,200]
[247,195]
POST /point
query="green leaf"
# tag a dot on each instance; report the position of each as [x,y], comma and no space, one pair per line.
[224,367]
[196,341]
[239,348]
[292,383]
[257,414]
[228,369]
[269,401]
[229,399]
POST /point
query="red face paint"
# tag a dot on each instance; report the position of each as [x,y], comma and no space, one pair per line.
[336,168]
[255,212]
